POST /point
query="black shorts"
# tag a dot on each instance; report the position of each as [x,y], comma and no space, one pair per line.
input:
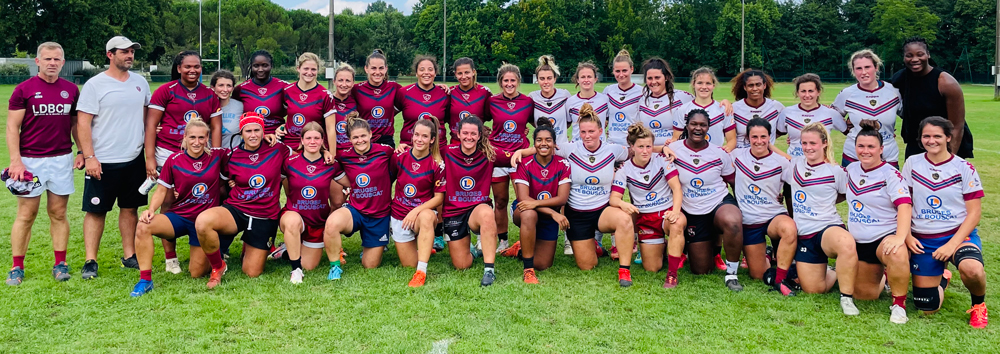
[386,140]
[811,247]
[701,228]
[257,232]
[582,224]
[119,181]
[457,227]
[868,252]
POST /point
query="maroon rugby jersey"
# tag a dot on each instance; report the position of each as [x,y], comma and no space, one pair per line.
[543,181]
[417,180]
[510,121]
[376,104]
[309,187]
[301,107]
[48,111]
[195,180]
[258,179]
[266,100]
[415,104]
[179,105]
[464,104]
[370,175]
[343,108]
[469,177]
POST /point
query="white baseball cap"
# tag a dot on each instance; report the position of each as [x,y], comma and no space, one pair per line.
[120,42]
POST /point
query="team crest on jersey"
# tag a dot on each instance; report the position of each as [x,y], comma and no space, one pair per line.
[257,181]
[808,173]
[409,190]
[262,90]
[427,97]
[64,94]
[303,97]
[934,202]
[254,157]
[592,180]
[510,105]
[696,161]
[465,96]
[622,98]
[858,206]
[862,182]
[935,175]
[363,180]
[137,88]
[415,166]
[342,127]
[311,168]
[378,112]
[697,183]
[192,95]
[341,107]
[362,158]
[543,195]
[189,115]
[755,116]
[197,166]
[377,91]
[807,120]
[545,173]
[593,159]
[549,103]
[199,190]
[468,160]
[654,124]
[656,106]
[620,117]
[298,119]
[645,177]
[756,168]
[800,197]
[753,188]
[651,196]
[467,183]
[263,111]
[873,102]
[308,192]
[509,126]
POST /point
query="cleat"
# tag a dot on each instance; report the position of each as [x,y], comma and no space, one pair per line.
[476,250]
[624,278]
[670,283]
[141,288]
[296,277]
[720,263]
[530,277]
[89,270]
[847,304]
[614,252]
[216,277]
[130,262]
[418,279]
[638,258]
[342,255]
[335,273]
[733,284]
[439,243]
[898,315]
[784,288]
[979,318]
[15,276]
[488,278]
[277,252]
[61,272]
[946,276]
[600,249]
[503,245]
[743,263]
[173,265]
[567,247]
[513,250]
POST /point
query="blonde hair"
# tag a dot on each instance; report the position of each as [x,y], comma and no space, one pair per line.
[311,127]
[824,136]
[638,131]
[583,65]
[354,121]
[198,123]
[307,56]
[344,67]
[865,54]
[703,71]
[50,46]
[432,122]
[508,68]
[623,57]
[547,62]
[587,114]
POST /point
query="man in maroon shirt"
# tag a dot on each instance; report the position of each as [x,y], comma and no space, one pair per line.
[40,119]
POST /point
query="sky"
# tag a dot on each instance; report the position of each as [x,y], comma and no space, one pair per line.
[323,6]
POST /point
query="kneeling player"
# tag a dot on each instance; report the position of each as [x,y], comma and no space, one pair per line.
[419,191]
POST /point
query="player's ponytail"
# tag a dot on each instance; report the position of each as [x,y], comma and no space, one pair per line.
[174,73]
[354,122]
[483,145]
[547,63]
[824,136]
[196,123]
[431,122]
[587,114]
[508,68]
[623,57]
[543,124]
[376,54]
[638,131]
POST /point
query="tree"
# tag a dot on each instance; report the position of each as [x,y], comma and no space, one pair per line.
[762,17]
[896,20]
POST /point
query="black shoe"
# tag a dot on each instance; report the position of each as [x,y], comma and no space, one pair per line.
[488,278]
[733,284]
[130,262]
[89,269]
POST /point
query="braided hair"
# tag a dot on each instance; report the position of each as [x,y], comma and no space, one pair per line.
[253,56]
[176,75]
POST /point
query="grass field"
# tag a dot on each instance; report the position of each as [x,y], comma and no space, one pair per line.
[374,311]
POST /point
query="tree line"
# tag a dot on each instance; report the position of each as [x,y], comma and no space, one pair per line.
[785,38]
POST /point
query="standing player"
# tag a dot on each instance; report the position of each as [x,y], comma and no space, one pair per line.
[711,212]
[550,102]
[468,98]
[659,101]
[947,195]
[722,128]
[419,192]
[871,101]
[758,190]
[421,99]
[655,192]
[817,186]
[193,175]
[305,101]
[792,119]
[369,176]
[263,94]
[223,82]
[308,201]
[336,124]
[752,89]
[623,98]
[585,78]
[511,112]
[376,99]
[254,173]
[879,219]
[40,119]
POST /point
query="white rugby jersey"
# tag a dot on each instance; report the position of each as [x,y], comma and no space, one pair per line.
[793,118]
[719,122]
[759,185]
[647,185]
[623,107]
[883,105]
[702,174]
[872,198]
[600,104]
[592,173]
[657,114]
[554,109]
[743,113]
[939,193]
[814,195]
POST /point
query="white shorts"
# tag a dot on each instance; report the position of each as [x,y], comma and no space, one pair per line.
[162,155]
[305,243]
[54,173]
[398,234]
[503,171]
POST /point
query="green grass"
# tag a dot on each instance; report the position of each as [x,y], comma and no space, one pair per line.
[374,310]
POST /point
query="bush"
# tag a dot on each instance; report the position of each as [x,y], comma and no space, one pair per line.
[14,70]
[284,71]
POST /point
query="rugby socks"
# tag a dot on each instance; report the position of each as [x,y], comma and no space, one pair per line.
[170,255]
[502,236]
[215,259]
[673,263]
[60,256]
[779,275]
[978,299]
[842,295]
[488,268]
[335,263]
[899,300]
[296,263]
[146,275]
[732,267]
[19,261]
[529,262]
[422,266]
[625,267]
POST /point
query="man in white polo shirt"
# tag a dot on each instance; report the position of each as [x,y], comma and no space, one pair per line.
[111,114]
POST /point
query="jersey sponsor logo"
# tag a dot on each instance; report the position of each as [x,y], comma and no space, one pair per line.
[64,94]
[857,205]
[298,119]
[620,117]
[199,190]
[363,180]
[51,109]
[308,192]
[189,115]
[544,195]
[651,196]
[697,183]
[509,126]
[464,114]
[257,181]
[708,137]
[409,190]
[753,188]
[800,196]
[263,111]
[934,202]
[378,112]
[424,115]
[592,179]
[341,127]
[467,183]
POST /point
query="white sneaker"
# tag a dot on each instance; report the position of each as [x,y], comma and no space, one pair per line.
[898,315]
[567,247]
[847,304]
[296,276]
[173,265]
[502,246]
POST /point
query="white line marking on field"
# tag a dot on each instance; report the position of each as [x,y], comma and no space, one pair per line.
[981,149]
[441,346]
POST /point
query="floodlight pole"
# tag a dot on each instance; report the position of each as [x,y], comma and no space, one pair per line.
[444,43]
[996,64]
[743,29]
[332,62]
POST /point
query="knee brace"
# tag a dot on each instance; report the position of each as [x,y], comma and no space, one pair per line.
[927,299]
[967,252]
